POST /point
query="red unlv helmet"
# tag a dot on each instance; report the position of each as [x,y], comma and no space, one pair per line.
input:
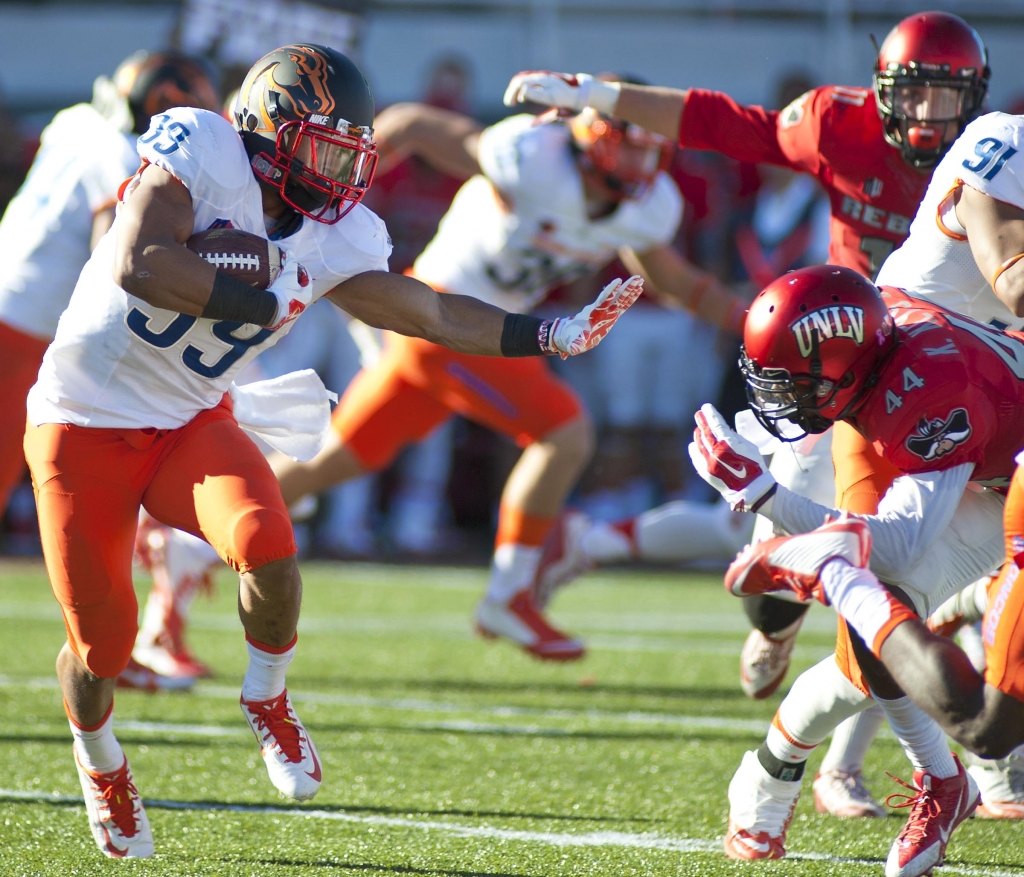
[305,115]
[812,345]
[618,159]
[930,81]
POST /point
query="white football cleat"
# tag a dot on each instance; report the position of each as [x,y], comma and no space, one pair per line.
[141,678]
[938,806]
[794,563]
[843,793]
[520,621]
[1001,783]
[760,810]
[116,816]
[764,660]
[562,559]
[291,758]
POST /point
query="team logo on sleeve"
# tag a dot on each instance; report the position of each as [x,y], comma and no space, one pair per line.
[938,437]
[835,321]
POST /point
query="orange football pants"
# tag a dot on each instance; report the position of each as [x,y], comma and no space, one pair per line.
[416,385]
[20,357]
[862,478]
[1002,631]
[206,477]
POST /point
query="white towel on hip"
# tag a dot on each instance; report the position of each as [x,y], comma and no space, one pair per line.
[291,413]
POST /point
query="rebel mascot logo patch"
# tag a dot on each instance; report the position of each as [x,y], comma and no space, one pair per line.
[937,437]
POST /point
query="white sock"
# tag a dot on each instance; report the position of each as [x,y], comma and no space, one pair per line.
[603,543]
[922,739]
[98,749]
[264,678]
[857,596]
[819,700]
[681,531]
[512,569]
[851,740]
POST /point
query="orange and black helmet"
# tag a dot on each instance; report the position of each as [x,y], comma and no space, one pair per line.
[305,114]
[147,83]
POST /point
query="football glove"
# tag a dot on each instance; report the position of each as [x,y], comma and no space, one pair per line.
[293,290]
[562,90]
[730,463]
[568,336]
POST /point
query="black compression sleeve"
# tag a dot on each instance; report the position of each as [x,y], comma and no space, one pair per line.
[520,335]
[231,299]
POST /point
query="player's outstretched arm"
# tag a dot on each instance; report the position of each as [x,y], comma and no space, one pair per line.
[995,231]
[657,109]
[150,261]
[669,274]
[467,325]
[937,675]
[446,140]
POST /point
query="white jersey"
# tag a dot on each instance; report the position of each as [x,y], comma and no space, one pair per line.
[935,261]
[119,362]
[46,232]
[521,227]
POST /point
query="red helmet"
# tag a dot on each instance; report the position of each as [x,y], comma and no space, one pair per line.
[305,115]
[620,160]
[930,81]
[812,345]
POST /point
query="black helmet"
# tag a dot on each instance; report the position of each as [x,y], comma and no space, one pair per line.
[305,114]
[147,83]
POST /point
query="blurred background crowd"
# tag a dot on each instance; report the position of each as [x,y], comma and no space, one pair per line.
[747,224]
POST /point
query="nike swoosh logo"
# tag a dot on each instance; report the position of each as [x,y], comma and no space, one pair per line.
[315,774]
[739,473]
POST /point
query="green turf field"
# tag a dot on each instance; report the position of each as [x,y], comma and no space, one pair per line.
[444,755]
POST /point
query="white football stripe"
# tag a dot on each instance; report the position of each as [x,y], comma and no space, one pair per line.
[620,839]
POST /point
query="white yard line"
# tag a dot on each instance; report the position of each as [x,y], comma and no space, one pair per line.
[620,839]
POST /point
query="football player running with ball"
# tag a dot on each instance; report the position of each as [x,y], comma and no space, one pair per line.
[128,408]
[872,151]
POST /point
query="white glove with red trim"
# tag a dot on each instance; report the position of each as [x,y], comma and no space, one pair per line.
[293,291]
[730,463]
[568,336]
[562,90]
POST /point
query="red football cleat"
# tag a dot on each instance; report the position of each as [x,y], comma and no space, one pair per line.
[938,806]
[760,810]
[521,621]
[291,758]
[116,816]
[794,563]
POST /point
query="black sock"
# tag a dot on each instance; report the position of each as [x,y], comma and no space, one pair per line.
[776,767]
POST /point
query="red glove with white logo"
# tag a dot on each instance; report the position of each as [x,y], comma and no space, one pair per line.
[293,290]
[562,90]
[568,336]
[729,463]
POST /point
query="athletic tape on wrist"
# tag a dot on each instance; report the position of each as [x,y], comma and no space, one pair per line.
[232,299]
[521,335]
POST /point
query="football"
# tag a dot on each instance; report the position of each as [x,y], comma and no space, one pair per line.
[247,257]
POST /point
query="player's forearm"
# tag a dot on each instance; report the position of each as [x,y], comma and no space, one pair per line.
[657,109]
[444,139]
[166,275]
[405,305]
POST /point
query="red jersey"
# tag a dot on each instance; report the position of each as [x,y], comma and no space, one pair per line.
[833,132]
[952,392]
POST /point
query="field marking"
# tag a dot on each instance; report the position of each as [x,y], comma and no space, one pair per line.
[620,839]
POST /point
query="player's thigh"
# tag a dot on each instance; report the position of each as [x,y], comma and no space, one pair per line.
[970,547]
[1003,627]
[215,483]
[520,398]
[862,476]
[386,408]
[20,356]
[88,490]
